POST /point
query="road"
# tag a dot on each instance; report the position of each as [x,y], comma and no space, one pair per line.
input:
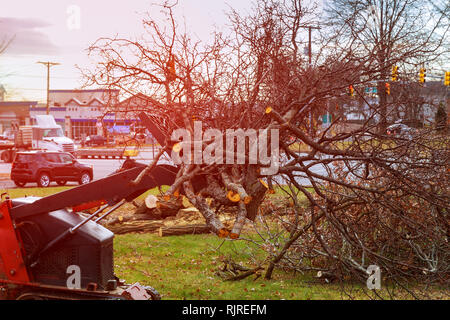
[102,168]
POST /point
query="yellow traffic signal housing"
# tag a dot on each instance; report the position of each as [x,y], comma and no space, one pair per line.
[447,78]
[388,88]
[394,75]
[422,75]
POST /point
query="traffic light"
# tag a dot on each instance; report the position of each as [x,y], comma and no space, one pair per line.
[388,88]
[422,75]
[351,91]
[394,75]
[447,78]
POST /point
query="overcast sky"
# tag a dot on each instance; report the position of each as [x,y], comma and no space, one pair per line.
[48,30]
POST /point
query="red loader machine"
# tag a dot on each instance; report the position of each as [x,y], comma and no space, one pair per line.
[42,240]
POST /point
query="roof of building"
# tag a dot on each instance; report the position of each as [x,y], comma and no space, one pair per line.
[81,91]
[96,99]
[17,103]
[136,100]
[76,101]
[84,103]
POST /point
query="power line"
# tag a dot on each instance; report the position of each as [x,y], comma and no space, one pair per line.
[20,88]
[40,77]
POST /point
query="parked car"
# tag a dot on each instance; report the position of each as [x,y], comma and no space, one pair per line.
[400,130]
[43,167]
[94,140]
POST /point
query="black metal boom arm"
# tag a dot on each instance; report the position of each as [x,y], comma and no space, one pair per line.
[111,189]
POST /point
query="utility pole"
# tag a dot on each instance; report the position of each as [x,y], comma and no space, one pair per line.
[48,64]
[310,64]
[309,41]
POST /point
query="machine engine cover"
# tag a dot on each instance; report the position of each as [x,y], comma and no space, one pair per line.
[90,247]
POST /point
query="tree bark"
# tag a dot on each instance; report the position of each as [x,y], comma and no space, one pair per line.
[181,230]
[165,208]
[135,226]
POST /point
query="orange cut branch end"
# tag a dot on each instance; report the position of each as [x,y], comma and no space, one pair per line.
[223,233]
[233,197]
[264,183]
[176,147]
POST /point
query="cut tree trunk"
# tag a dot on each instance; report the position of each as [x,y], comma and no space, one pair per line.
[257,190]
[181,230]
[135,226]
[122,219]
[164,208]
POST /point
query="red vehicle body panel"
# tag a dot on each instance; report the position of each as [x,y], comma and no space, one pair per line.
[12,265]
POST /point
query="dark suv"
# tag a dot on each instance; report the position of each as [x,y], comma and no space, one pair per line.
[44,167]
[94,140]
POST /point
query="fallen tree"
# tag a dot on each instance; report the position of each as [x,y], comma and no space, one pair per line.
[364,190]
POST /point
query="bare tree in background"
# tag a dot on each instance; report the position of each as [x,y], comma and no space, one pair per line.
[409,34]
[4,43]
[350,197]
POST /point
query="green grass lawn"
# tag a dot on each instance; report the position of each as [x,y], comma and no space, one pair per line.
[183,267]
[36,192]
